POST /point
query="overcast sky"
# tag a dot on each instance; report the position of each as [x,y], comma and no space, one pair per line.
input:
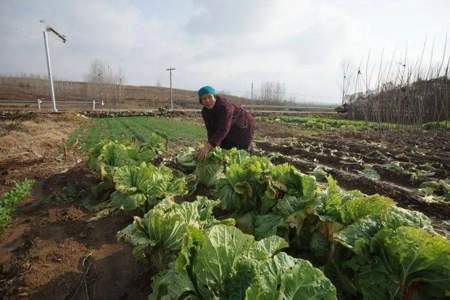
[226,44]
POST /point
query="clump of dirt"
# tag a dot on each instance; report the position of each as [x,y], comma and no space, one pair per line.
[57,258]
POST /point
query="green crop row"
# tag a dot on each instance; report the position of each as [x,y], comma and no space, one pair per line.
[341,243]
[126,129]
[317,123]
[11,199]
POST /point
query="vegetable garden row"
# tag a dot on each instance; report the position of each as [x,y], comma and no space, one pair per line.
[237,226]
[411,167]
[335,123]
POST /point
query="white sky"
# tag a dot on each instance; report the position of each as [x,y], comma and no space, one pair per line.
[223,43]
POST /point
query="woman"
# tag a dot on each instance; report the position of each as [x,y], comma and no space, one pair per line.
[228,124]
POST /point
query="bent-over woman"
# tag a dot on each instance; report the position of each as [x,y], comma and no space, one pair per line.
[228,124]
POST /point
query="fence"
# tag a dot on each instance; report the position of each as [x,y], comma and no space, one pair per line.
[419,102]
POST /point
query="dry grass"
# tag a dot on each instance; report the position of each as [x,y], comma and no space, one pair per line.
[36,138]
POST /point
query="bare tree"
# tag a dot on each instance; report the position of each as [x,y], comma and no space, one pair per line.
[272,92]
[279,92]
[103,83]
[97,72]
[405,91]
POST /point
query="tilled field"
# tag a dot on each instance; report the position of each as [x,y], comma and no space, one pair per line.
[391,163]
[56,248]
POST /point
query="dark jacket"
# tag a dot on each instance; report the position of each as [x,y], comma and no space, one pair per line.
[228,125]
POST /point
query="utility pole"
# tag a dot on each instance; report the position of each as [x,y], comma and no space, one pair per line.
[170,72]
[343,89]
[49,65]
[120,84]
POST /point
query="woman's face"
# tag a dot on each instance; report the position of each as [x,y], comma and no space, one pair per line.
[208,101]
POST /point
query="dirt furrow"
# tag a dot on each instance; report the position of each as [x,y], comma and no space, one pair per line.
[404,196]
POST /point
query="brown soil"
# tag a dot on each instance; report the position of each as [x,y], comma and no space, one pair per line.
[51,250]
[353,150]
[275,130]
[34,146]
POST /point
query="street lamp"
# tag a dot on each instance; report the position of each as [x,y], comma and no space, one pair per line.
[47,54]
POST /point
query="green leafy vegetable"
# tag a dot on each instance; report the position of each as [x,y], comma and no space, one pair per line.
[228,264]
[211,168]
[157,237]
[370,172]
[109,155]
[11,199]
[284,277]
[187,159]
[435,191]
[320,173]
[413,264]
[243,184]
[144,186]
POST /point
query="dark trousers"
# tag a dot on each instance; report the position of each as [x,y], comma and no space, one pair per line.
[240,138]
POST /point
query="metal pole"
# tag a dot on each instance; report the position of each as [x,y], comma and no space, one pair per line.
[118,101]
[170,72]
[49,68]
[171,100]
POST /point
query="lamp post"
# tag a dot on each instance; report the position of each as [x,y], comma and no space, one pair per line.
[49,65]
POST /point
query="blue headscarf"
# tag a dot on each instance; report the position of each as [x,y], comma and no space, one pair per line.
[205,90]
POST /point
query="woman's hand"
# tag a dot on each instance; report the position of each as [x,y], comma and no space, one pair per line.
[204,151]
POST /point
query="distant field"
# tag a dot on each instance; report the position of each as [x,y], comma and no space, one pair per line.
[22,93]
[139,128]
[323,123]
